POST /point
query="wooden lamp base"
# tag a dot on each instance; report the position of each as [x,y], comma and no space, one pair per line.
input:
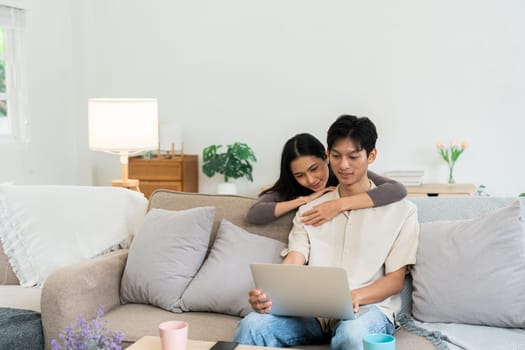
[125,182]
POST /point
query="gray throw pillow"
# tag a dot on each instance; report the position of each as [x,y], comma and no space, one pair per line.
[223,282]
[165,255]
[472,271]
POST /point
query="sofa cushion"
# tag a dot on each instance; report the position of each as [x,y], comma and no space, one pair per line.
[210,326]
[223,282]
[7,276]
[472,271]
[43,228]
[20,297]
[165,255]
[138,320]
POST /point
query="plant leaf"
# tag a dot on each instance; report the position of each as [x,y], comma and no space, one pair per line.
[234,163]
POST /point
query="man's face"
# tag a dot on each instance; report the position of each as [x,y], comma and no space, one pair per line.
[348,163]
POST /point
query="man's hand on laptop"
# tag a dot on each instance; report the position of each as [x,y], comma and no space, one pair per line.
[259,301]
[355,300]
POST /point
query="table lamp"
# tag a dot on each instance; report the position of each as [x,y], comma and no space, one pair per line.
[123,126]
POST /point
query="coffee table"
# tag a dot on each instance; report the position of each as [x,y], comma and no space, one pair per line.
[153,343]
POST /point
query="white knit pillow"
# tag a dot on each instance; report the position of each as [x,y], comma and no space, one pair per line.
[43,228]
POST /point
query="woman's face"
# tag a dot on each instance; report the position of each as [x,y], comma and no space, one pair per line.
[310,172]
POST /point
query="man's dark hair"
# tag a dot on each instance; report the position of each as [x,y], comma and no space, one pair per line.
[360,130]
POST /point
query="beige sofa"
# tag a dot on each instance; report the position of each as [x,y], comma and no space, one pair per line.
[81,288]
[11,294]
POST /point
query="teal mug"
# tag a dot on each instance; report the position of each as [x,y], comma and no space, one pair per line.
[379,341]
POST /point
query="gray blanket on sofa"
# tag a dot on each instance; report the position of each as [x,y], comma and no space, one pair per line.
[20,329]
[454,336]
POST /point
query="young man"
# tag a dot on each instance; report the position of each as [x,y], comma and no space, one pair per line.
[373,245]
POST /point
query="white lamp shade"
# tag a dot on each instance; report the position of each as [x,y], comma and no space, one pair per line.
[123,125]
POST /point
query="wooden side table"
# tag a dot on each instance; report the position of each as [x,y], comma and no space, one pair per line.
[178,173]
[434,190]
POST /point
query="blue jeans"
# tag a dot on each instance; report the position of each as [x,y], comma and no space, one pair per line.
[282,331]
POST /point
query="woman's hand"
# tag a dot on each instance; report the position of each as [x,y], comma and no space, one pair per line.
[259,302]
[321,213]
[317,194]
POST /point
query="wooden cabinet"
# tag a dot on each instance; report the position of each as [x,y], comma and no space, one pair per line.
[179,173]
[434,190]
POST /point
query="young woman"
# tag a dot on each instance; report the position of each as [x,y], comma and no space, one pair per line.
[305,176]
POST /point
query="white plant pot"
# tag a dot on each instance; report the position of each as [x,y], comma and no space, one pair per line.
[226,188]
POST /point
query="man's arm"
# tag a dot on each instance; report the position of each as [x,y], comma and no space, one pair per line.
[388,285]
[294,258]
[402,254]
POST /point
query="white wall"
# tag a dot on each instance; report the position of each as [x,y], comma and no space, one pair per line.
[51,155]
[260,72]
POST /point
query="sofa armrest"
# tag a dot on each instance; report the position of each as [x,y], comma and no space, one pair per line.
[79,290]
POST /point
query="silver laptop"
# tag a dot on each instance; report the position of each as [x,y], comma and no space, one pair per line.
[310,291]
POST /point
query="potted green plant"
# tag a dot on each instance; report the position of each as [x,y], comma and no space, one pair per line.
[233,163]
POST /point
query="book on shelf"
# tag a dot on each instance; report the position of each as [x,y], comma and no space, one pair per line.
[406,177]
[411,183]
[404,173]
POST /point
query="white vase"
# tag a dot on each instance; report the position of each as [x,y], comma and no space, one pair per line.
[227,188]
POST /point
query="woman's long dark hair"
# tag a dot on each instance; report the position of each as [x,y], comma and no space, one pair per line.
[300,145]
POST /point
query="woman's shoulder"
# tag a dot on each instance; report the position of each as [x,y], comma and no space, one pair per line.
[270,196]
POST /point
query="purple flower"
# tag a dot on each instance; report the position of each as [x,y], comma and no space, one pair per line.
[86,335]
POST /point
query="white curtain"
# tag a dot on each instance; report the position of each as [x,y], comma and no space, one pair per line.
[11,17]
[16,125]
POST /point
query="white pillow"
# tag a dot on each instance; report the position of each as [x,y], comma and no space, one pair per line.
[43,228]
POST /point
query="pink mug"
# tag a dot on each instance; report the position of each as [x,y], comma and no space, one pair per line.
[173,335]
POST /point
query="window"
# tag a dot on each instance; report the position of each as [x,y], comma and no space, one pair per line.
[13,123]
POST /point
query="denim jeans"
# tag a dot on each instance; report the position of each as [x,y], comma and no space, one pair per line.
[282,331]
